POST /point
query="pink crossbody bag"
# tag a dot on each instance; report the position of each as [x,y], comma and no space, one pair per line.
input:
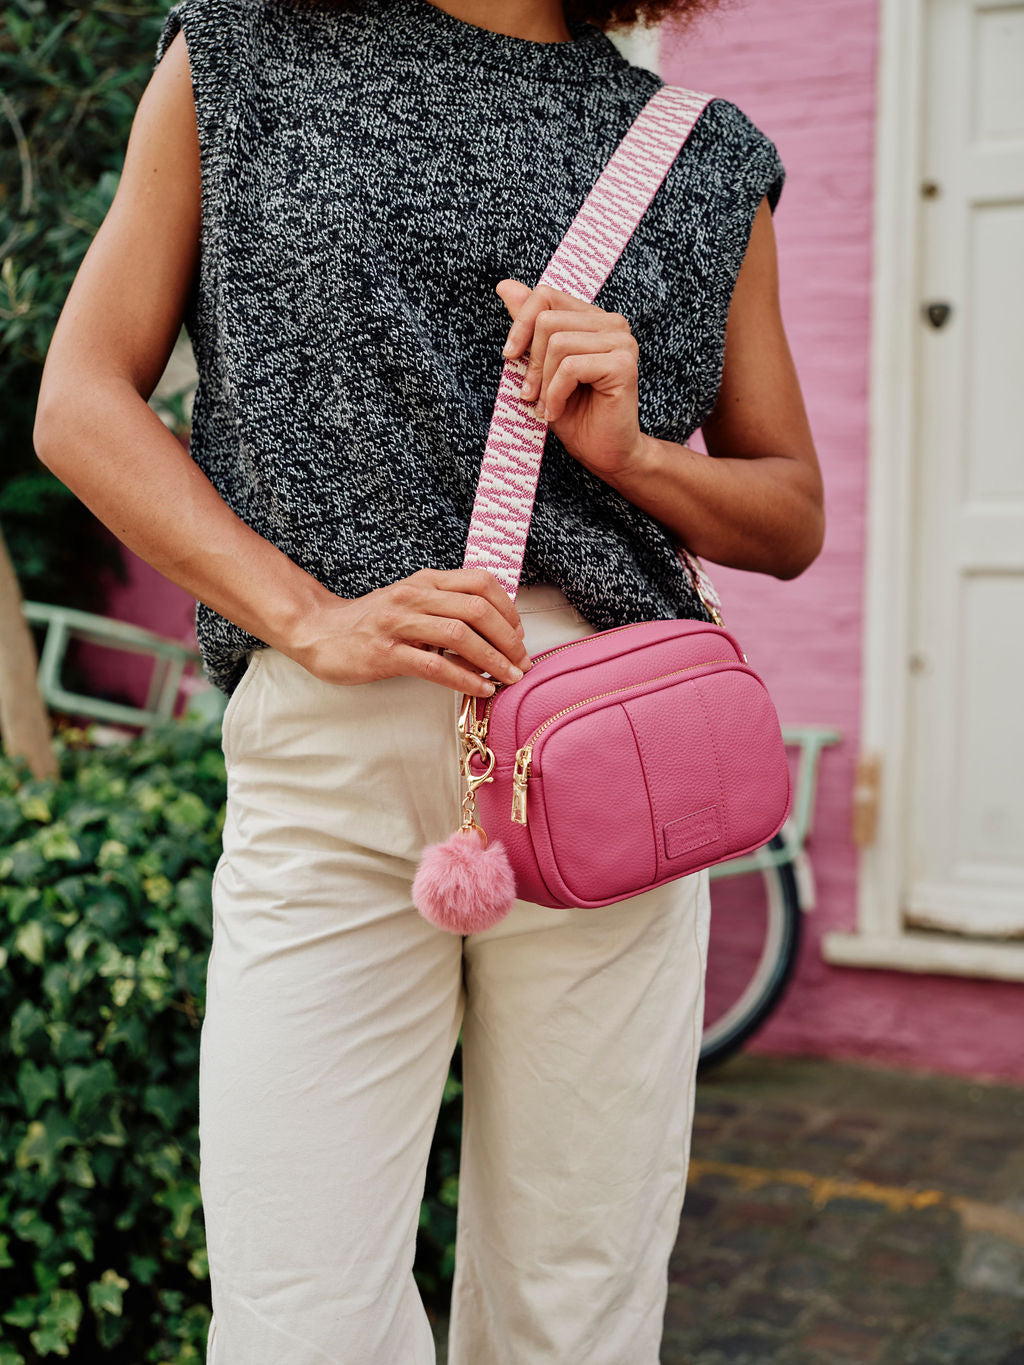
[633,756]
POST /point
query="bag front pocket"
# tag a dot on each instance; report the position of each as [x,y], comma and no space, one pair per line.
[591,787]
[626,794]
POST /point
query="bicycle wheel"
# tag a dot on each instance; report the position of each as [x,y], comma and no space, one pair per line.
[754,941]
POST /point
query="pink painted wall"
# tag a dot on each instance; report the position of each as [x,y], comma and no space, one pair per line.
[147,599]
[805,74]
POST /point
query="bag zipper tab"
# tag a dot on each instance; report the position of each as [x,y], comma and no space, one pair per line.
[519,780]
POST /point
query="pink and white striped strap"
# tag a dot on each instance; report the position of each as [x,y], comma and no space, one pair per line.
[582,262]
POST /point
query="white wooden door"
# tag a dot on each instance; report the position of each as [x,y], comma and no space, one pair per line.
[965,727]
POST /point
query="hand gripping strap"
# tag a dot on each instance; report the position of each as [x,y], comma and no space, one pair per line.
[582,262]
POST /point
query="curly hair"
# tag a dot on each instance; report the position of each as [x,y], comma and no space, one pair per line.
[609,14]
[604,14]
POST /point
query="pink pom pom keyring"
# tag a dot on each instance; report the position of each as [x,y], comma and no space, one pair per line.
[463,885]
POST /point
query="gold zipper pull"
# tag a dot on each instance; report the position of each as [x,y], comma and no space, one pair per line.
[519,780]
[480,726]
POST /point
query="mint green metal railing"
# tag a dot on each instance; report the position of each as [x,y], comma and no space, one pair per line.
[64,624]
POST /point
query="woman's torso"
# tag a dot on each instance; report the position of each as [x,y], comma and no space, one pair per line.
[369,176]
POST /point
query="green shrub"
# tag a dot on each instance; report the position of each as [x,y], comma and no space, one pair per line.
[70,80]
[43,525]
[105,925]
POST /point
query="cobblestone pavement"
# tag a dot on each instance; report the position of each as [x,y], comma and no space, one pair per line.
[839,1215]
[847,1215]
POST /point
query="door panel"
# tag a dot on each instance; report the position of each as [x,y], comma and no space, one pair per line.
[965,731]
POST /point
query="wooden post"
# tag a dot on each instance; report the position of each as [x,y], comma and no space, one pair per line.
[24,722]
[866,790]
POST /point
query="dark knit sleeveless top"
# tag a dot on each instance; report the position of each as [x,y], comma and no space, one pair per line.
[368,176]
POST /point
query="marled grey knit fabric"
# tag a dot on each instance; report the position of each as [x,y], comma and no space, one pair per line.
[368,177]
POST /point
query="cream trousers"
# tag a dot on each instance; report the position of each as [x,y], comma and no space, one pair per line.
[332,1012]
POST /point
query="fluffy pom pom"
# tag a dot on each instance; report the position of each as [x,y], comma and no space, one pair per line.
[463,886]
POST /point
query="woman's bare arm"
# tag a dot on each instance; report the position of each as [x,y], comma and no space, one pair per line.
[759,504]
[94,428]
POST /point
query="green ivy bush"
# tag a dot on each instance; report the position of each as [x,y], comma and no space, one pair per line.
[105,925]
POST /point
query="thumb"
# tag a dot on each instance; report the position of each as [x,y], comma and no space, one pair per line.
[513,293]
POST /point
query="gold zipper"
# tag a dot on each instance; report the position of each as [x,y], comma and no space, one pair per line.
[479,727]
[524,756]
[522,772]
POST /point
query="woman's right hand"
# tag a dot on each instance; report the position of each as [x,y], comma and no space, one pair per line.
[401,630]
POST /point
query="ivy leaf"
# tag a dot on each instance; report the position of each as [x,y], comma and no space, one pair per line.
[27,863]
[86,1087]
[28,1226]
[144,1268]
[82,1241]
[30,942]
[37,808]
[165,1102]
[68,1044]
[113,854]
[79,1171]
[79,941]
[28,1027]
[158,889]
[57,845]
[182,1202]
[23,1314]
[187,812]
[121,990]
[107,1293]
[36,1085]
[42,1142]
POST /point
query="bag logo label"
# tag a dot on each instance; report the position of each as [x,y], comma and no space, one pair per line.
[692,831]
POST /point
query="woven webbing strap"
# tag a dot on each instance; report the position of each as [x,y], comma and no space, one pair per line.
[583,261]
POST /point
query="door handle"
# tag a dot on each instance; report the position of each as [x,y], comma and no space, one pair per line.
[937,314]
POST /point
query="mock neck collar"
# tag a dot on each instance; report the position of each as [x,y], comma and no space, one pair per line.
[432,33]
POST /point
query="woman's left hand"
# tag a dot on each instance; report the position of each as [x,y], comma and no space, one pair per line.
[583,369]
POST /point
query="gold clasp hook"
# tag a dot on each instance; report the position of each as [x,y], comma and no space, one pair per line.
[471,744]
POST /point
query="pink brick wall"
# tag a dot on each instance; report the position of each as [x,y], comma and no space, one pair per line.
[805,74]
[147,599]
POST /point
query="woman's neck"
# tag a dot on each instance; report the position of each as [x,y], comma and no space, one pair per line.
[541,21]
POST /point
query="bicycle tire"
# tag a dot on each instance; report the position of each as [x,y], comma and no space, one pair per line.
[774,975]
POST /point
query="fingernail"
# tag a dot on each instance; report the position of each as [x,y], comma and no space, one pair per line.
[506,350]
[539,410]
[488,688]
[515,673]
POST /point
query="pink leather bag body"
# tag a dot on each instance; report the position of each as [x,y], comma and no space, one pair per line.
[635,755]
[627,759]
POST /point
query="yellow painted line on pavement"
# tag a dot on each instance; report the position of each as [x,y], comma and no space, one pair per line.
[822,1188]
[977,1216]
